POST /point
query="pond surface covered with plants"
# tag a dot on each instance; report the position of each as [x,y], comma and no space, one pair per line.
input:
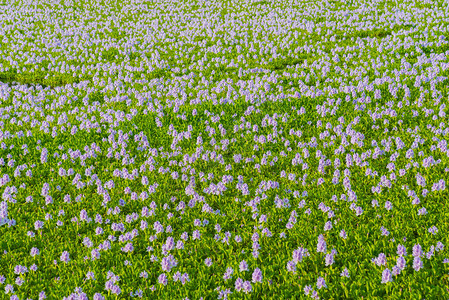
[224,149]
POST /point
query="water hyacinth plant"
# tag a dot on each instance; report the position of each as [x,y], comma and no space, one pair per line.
[224,149]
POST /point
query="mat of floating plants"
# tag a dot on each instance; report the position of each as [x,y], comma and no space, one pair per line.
[224,149]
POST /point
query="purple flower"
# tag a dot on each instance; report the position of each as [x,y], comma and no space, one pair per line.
[328,226]
[421,181]
[184,278]
[208,262]
[257,275]
[321,247]
[239,284]
[38,225]
[20,269]
[196,235]
[144,274]
[87,242]
[381,260]
[255,237]
[417,263]
[395,271]
[42,295]
[162,279]
[179,245]
[422,211]
[441,185]
[143,196]
[433,230]
[116,290]
[177,276]
[228,273]
[321,283]
[431,252]
[170,243]
[291,266]
[386,276]
[417,250]
[307,289]
[402,251]
[329,259]
[34,251]
[65,257]
[247,287]
[435,187]
[95,254]
[145,180]
[440,246]
[298,254]
[377,94]
[166,264]
[243,266]
[401,263]
[98,296]
[345,273]
[425,192]
[9,289]
[83,215]
[128,248]
[138,293]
